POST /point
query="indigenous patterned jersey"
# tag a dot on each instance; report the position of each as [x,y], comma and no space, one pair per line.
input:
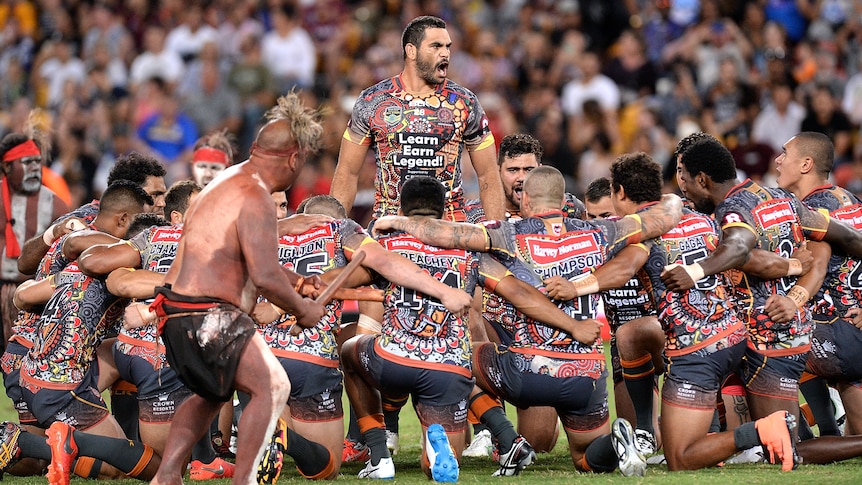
[628,302]
[158,248]
[495,308]
[842,287]
[24,330]
[780,223]
[418,134]
[86,212]
[75,320]
[537,248]
[311,253]
[418,331]
[703,316]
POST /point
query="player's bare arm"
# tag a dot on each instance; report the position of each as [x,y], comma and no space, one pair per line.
[300,223]
[613,274]
[490,185]
[78,241]
[783,308]
[844,238]
[732,252]
[32,293]
[538,307]
[128,282]
[346,176]
[403,272]
[769,266]
[652,222]
[436,232]
[101,259]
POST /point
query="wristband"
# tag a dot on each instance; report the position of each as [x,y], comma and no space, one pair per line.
[51,282]
[277,309]
[799,295]
[586,286]
[695,271]
[48,237]
[794,267]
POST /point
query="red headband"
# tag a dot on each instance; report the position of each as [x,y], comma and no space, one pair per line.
[209,154]
[26,149]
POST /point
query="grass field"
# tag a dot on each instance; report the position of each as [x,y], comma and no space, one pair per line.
[550,469]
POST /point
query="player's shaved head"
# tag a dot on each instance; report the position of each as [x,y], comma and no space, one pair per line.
[819,147]
[545,185]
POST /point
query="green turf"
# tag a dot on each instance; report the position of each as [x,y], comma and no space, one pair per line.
[551,468]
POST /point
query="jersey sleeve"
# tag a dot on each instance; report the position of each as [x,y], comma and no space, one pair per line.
[477,135]
[501,239]
[729,214]
[620,233]
[353,236]
[141,241]
[358,129]
[814,222]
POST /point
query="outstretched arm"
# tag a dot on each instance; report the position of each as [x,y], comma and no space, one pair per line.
[132,283]
[401,271]
[613,274]
[733,252]
[769,266]
[538,307]
[436,232]
[33,293]
[101,259]
[656,220]
[78,241]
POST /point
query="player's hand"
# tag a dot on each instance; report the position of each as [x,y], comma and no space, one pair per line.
[300,223]
[458,302]
[855,314]
[137,315]
[587,331]
[780,309]
[264,313]
[310,286]
[676,278]
[309,313]
[804,256]
[560,288]
[384,224]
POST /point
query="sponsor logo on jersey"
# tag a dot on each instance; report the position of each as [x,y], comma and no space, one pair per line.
[774,212]
[550,251]
[688,227]
[167,234]
[851,215]
[310,235]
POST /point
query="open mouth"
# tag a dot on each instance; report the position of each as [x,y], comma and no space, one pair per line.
[443,68]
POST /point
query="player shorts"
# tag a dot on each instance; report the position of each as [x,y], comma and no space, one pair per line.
[161,408]
[204,341]
[82,407]
[774,377]
[10,363]
[139,371]
[692,380]
[438,396]
[580,401]
[836,347]
[315,390]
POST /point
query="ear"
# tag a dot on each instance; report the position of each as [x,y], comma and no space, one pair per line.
[124,219]
[410,50]
[619,194]
[807,165]
[702,180]
[176,217]
[5,168]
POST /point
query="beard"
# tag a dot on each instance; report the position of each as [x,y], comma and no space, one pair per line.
[704,206]
[428,71]
[31,184]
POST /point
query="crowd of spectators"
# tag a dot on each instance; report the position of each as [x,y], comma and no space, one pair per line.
[589,78]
